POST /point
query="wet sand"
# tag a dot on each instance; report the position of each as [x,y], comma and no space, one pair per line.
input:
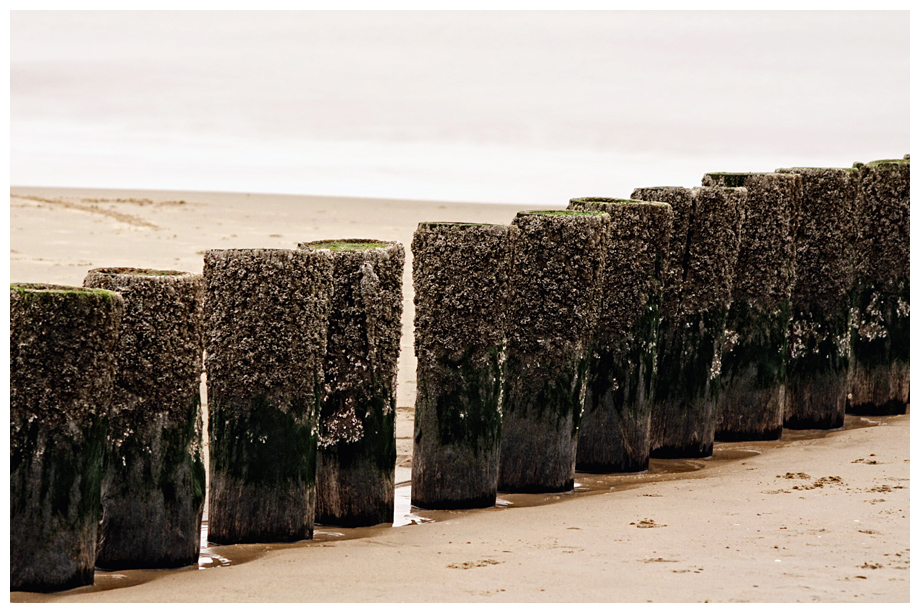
[817,516]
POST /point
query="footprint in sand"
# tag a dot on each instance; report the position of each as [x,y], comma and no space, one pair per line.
[647,523]
[477,564]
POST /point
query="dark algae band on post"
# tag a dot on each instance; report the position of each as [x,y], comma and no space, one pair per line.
[153,488]
[62,370]
[356,454]
[703,250]
[460,275]
[556,272]
[880,296]
[751,402]
[614,431]
[266,317]
[818,365]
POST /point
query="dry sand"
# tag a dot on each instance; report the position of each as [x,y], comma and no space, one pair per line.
[816,516]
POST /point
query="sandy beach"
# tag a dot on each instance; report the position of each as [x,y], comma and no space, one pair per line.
[814,517]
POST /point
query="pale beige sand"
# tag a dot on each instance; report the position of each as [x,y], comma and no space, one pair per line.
[808,519]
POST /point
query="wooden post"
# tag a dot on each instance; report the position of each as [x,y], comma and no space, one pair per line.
[881,291]
[818,366]
[703,252]
[266,315]
[62,370]
[557,268]
[356,454]
[153,484]
[752,398]
[614,432]
[460,273]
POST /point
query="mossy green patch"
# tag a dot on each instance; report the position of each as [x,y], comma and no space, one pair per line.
[346,245]
[556,395]
[454,224]
[179,448]
[756,350]
[815,339]
[140,272]
[625,373]
[59,470]
[262,443]
[377,444]
[586,201]
[881,333]
[686,351]
[560,212]
[467,404]
[34,292]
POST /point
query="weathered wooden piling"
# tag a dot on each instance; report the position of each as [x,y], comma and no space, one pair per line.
[356,454]
[614,431]
[557,267]
[460,273]
[751,402]
[153,484]
[697,292]
[62,370]
[881,290]
[266,317]
[818,365]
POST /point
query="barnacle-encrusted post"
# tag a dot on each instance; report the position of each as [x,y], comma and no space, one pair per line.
[881,290]
[557,267]
[356,454]
[460,273]
[819,345]
[697,291]
[153,483]
[62,369]
[614,431]
[752,398]
[266,314]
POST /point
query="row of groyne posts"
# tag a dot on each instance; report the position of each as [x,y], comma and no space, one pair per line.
[591,338]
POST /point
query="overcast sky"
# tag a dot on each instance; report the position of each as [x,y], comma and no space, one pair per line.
[489,106]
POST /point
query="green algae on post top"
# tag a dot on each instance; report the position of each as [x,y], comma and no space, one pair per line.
[560,212]
[736,179]
[141,272]
[455,224]
[51,289]
[600,200]
[346,245]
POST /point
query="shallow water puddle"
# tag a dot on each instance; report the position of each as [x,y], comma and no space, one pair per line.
[217,556]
